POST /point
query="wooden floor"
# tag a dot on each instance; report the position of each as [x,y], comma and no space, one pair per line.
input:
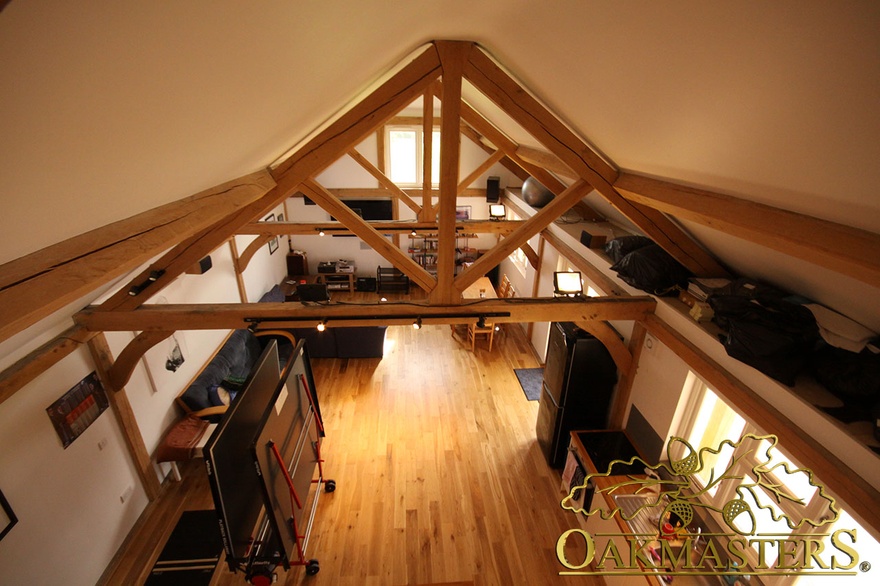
[439,476]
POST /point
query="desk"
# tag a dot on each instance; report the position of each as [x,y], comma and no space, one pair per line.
[288,285]
[482,284]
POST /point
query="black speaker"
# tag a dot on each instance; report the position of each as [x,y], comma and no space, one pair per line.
[493,189]
[201,267]
[365,284]
[593,240]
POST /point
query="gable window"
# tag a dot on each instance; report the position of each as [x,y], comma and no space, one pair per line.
[404,155]
[706,421]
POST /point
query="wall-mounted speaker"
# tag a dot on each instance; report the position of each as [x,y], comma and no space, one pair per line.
[201,267]
[593,240]
[493,189]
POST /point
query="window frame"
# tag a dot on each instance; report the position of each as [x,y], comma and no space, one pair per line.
[419,154]
[694,393]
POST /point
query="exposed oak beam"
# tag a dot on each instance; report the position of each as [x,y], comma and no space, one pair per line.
[119,373]
[256,244]
[134,440]
[509,148]
[35,363]
[501,227]
[373,192]
[531,256]
[468,132]
[481,168]
[547,160]
[546,215]
[286,315]
[843,249]
[384,180]
[453,56]
[38,284]
[427,212]
[365,232]
[609,337]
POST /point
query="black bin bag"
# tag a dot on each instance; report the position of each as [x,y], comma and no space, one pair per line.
[652,269]
[620,247]
[772,335]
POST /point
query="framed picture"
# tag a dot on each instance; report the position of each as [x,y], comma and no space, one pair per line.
[273,243]
[7,517]
[462,213]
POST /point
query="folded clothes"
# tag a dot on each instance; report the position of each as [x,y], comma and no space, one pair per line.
[839,330]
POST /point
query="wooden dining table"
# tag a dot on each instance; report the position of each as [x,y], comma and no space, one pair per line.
[480,289]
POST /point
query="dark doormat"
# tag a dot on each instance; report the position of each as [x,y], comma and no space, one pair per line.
[530,380]
[191,553]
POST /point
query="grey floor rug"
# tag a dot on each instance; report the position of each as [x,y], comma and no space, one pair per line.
[530,380]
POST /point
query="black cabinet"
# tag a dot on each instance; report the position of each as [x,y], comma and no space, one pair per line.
[579,379]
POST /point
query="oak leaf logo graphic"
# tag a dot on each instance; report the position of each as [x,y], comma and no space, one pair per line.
[674,491]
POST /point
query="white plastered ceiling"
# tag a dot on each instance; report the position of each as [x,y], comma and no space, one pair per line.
[109,109]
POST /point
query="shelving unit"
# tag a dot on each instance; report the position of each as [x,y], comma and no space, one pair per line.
[338,281]
[423,250]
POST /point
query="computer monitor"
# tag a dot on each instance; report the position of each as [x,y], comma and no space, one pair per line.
[497,211]
[312,292]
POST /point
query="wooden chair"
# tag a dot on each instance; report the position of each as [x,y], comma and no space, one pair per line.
[503,287]
[473,331]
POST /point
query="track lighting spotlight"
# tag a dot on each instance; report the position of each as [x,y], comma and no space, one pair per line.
[481,322]
[320,232]
[413,234]
[322,326]
[417,325]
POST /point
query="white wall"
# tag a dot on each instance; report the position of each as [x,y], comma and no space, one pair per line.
[72,518]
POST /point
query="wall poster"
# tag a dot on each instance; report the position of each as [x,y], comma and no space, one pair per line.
[78,408]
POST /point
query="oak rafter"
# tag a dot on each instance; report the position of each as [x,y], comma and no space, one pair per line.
[511,97]
[843,249]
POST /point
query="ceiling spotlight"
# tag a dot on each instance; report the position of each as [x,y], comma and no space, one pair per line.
[413,234]
[481,322]
[383,299]
[417,325]
[320,232]
[322,326]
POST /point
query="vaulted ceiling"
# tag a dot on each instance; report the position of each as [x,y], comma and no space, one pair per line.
[113,110]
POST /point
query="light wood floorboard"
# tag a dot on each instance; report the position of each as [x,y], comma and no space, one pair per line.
[439,476]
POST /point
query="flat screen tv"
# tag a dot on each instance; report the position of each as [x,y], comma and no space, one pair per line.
[229,460]
[371,209]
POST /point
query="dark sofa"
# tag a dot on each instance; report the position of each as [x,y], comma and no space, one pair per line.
[228,369]
[346,342]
